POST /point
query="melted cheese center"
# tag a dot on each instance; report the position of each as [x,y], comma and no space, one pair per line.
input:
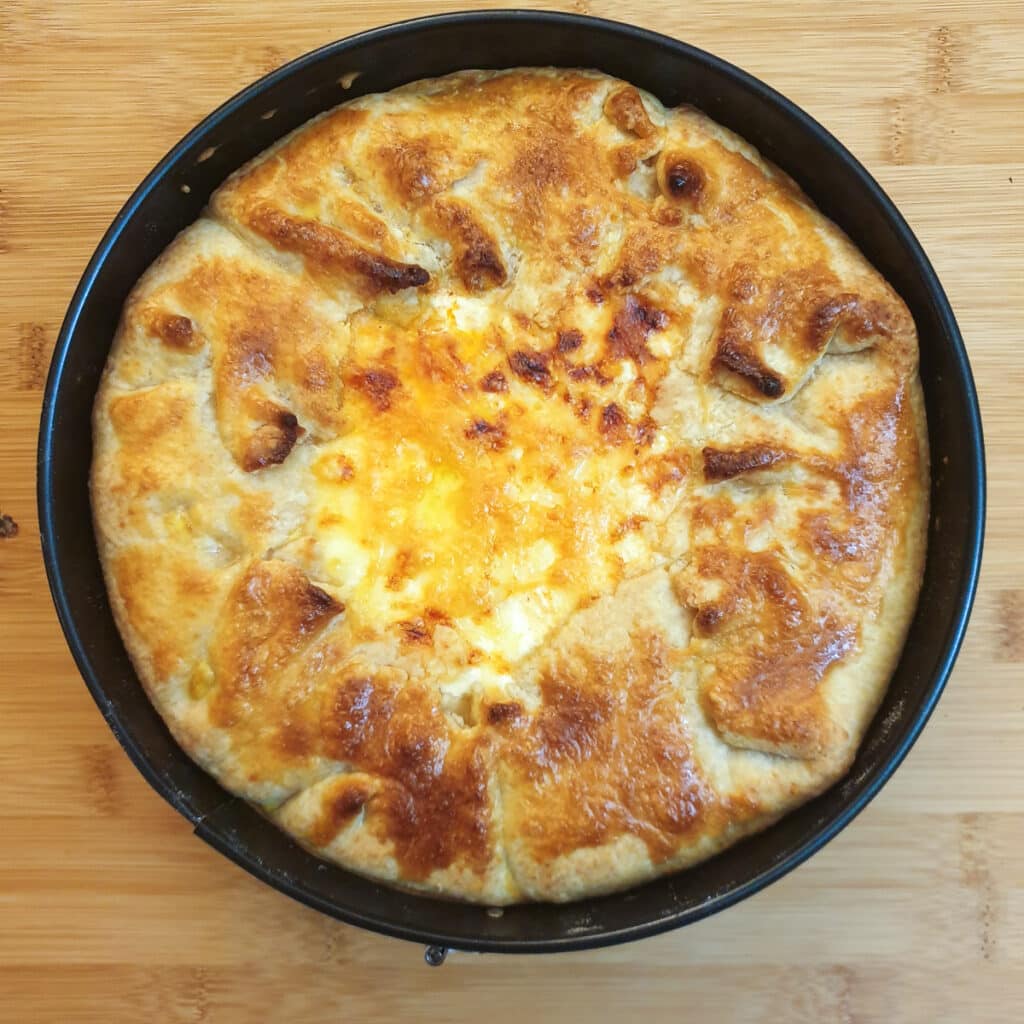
[462,492]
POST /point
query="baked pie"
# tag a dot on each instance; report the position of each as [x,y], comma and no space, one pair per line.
[513,487]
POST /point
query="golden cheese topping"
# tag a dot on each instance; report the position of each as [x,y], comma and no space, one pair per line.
[513,486]
[484,480]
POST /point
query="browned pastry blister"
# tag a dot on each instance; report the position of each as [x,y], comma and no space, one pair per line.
[515,488]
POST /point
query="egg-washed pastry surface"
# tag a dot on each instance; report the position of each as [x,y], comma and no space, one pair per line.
[513,487]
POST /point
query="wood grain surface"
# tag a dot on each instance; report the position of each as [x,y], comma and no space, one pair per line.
[110,910]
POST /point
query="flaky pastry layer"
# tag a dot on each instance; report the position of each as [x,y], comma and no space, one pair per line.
[515,488]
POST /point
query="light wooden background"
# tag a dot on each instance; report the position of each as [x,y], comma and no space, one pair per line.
[111,911]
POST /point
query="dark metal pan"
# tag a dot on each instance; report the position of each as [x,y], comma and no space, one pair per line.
[173,196]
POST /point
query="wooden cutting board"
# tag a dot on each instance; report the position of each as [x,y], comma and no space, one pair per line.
[110,910]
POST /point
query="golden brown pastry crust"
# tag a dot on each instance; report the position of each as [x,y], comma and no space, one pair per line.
[515,488]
